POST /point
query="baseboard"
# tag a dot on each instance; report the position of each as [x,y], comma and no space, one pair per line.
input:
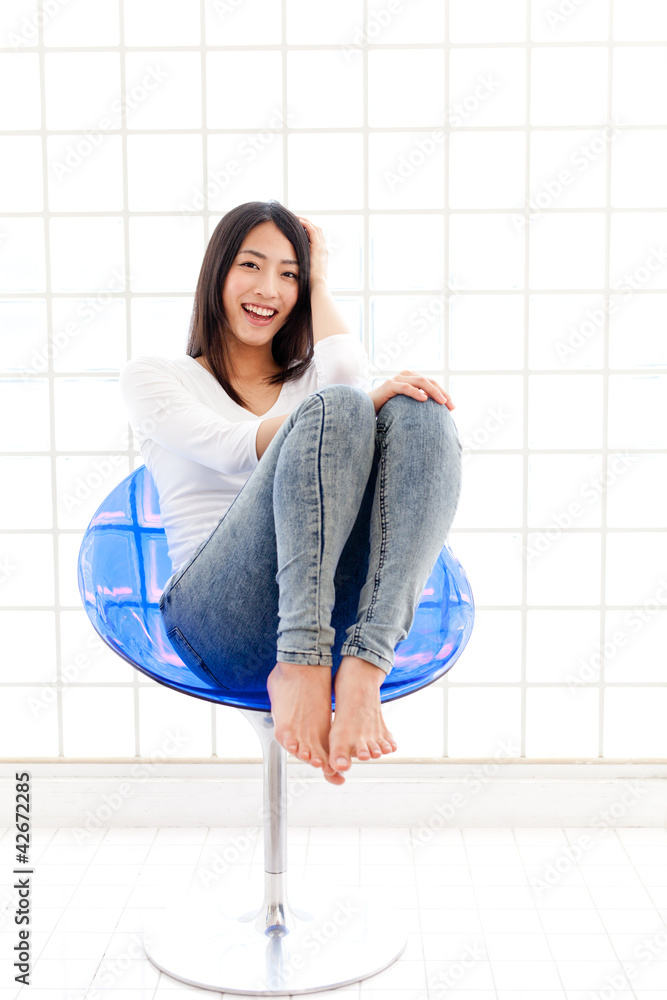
[421,794]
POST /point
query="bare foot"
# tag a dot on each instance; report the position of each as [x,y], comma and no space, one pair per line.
[358,728]
[300,698]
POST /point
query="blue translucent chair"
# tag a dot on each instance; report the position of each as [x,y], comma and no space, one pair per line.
[213,941]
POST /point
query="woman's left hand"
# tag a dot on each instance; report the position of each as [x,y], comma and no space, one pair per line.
[319,254]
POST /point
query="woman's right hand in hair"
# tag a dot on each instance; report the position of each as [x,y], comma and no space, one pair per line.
[409,383]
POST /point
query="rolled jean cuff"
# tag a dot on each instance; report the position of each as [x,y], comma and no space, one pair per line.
[314,659]
[367,654]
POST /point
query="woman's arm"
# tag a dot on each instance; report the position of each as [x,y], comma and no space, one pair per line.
[267,431]
[161,408]
[327,321]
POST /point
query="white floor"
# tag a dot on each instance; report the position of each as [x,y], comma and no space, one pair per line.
[479,929]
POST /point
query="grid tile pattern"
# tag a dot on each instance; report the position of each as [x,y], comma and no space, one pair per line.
[490,178]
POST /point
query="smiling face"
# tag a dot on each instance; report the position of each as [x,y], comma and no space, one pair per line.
[265,275]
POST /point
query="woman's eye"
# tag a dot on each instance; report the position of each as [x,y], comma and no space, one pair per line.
[253,264]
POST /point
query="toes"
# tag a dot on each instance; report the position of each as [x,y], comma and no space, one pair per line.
[375,749]
[319,758]
[386,746]
[286,739]
[335,778]
[363,753]
[304,753]
[341,761]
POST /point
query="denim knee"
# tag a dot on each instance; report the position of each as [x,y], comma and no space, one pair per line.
[431,417]
[350,397]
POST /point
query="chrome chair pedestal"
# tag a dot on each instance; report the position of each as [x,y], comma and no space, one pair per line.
[329,937]
[322,938]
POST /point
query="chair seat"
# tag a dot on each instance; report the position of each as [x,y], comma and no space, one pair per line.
[124,566]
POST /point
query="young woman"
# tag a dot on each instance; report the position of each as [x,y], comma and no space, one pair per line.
[304,512]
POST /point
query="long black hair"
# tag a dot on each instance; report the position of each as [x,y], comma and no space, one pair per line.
[292,346]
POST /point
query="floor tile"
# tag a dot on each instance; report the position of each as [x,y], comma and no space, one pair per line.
[86,944]
[526,975]
[63,973]
[387,835]
[55,874]
[483,917]
[453,855]
[73,835]
[386,854]
[462,972]
[592,974]
[517,946]
[596,947]
[121,854]
[99,874]
[132,974]
[130,835]
[529,835]
[68,854]
[580,921]
[642,835]
[332,854]
[181,835]
[488,835]
[448,946]
[336,835]
[400,975]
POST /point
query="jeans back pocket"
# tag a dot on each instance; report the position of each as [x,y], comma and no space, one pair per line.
[191,658]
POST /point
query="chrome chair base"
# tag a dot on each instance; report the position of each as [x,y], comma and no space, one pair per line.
[330,938]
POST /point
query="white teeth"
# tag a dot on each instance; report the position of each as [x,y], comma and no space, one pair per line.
[258,311]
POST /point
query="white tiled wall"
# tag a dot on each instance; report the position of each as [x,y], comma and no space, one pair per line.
[489,175]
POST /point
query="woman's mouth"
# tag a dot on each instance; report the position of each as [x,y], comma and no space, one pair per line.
[257,320]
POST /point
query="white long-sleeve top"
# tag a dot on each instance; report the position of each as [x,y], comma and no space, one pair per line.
[199,445]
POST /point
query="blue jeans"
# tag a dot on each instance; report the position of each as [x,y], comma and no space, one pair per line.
[327,548]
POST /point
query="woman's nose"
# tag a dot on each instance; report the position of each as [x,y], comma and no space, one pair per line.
[267,287]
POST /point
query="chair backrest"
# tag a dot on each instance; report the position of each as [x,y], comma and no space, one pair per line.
[124,565]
